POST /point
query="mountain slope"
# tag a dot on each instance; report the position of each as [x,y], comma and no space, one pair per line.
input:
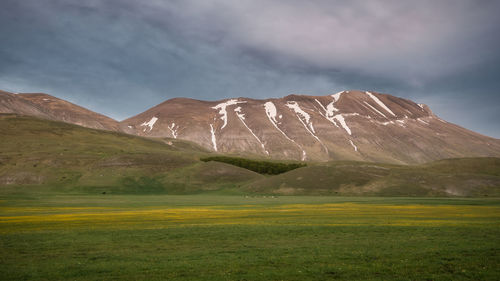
[11,103]
[349,125]
[52,108]
[43,155]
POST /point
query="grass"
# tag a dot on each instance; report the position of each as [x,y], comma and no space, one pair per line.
[474,177]
[212,237]
[46,156]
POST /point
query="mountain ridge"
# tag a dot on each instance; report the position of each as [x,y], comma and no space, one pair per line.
[300,127]
[348,125]
[49,107]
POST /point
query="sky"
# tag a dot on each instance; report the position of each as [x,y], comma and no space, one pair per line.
[121,57]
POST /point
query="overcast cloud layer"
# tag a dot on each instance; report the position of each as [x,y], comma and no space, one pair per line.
[120,57]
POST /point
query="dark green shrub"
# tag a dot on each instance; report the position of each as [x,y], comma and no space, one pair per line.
[261,167]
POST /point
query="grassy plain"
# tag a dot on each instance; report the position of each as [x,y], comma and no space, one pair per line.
[214,237]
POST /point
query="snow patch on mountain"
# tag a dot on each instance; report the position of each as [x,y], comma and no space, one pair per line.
[214,140]
[150,123]
[173,129]
[320,104]
[301,114]
[374,109]
[241,116]
[336,96]
[222,109]
[354,146]
[271,113]
[305,119]
[400,122]
[330,109]
[422,121]
[328,112]
[379,102]
[342,122]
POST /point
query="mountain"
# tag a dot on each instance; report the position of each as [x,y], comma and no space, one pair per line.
[52,108]
[349,125]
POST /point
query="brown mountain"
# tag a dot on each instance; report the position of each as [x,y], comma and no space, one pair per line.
[52,108]
[349,125]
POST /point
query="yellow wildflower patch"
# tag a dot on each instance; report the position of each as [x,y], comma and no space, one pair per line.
[14,219]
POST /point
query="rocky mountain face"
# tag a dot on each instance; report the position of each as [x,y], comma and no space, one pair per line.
[49,107]
[349,125]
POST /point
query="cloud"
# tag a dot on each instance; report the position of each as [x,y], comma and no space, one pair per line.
[120,57]
[413,40]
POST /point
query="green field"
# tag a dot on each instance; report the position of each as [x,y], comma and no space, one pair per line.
[61,236]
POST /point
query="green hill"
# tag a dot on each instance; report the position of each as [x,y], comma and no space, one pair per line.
[450,177]
[44,155]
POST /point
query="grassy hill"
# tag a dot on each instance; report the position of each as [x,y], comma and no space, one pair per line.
[450,177]
[41,156]
[45,155]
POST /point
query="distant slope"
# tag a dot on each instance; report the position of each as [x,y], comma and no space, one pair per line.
[450,177]
[349,125]
[44,155]
[52,108]
[11,103]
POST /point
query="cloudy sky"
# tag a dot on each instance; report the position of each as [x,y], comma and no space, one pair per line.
[120,57]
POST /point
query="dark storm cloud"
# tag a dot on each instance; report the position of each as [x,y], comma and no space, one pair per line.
[120,57]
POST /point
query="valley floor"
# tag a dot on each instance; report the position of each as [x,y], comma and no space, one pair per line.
[216,237]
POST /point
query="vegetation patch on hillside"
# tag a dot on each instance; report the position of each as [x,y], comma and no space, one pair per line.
[261,167]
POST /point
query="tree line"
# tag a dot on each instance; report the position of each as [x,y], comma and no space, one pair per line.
[261,167]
